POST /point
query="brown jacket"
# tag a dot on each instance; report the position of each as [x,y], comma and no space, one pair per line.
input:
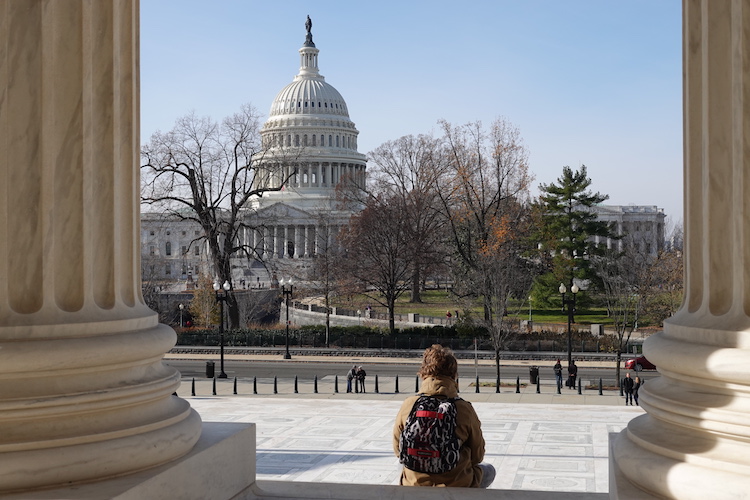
[468,431]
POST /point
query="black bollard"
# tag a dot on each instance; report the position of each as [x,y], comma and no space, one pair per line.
[396,391]
[315,386]
[518,385]
[336,384]
[296,391]
[416,383]
[235,385]
[579,385]
[193,386]
[214,392]
[477,389]
[275,386]
[538,389]
[600,387]
[377,390]
[255,385]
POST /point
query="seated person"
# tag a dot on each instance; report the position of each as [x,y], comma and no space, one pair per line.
[439,372]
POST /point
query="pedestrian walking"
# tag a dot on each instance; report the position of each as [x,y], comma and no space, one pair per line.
[572,374]
[558,374]
[351,375]
[361,374]
[627,387]
[636,386]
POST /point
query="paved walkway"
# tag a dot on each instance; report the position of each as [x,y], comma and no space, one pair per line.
[537,441]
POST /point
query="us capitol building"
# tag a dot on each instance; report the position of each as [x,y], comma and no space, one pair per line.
[291,225]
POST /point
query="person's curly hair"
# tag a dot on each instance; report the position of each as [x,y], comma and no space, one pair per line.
[438,361]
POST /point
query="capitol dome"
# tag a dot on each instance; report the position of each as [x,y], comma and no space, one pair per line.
[309,148]
[309,120]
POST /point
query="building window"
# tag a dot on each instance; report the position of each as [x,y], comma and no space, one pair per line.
[168,249]
[151,232]
[184,233]
[330,141]
[184,250]
[197,233]
[152,250]
[197,250]
[314,137]
[168,269]
[169,232]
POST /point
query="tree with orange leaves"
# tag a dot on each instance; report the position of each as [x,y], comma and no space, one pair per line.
[484,196]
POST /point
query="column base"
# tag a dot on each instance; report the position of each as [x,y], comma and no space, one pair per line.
[220,466]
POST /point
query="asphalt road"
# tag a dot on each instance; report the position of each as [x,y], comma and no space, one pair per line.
[309,369]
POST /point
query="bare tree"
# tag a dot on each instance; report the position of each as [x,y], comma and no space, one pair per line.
[484,198]
[323,276]
[207,172]
[622,277]
[408,170]
[373,245]
[664,289]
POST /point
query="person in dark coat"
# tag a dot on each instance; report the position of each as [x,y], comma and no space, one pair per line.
[636,386]
[558,373]
[361,374]
[627,387]
[572,373]
[351,375]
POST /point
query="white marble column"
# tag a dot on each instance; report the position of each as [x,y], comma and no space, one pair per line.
[278,239]
[267,242]
[285,244]
[83,392]
[298,248]
[694,442]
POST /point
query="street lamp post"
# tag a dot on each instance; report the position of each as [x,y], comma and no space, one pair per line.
[222,292]
[570,303]
[529,308]
[181,306]
[287,288]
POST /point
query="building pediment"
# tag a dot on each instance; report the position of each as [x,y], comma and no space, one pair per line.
[280,212]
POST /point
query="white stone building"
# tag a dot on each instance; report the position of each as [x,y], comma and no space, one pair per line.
[309,121]
[310,147]
[172,249]
[640,226]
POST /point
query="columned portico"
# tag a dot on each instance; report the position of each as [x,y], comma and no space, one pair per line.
[84,394]
[694,442]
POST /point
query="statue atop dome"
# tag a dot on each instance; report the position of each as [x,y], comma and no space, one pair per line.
[308,38]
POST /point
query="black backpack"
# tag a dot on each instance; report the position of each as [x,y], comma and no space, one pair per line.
[428,442]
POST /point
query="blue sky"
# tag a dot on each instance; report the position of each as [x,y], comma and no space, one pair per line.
[594,82]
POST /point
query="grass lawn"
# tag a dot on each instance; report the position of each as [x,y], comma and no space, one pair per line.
[437,302]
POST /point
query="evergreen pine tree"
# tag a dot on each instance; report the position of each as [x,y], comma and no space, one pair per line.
[566,233]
